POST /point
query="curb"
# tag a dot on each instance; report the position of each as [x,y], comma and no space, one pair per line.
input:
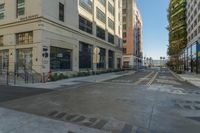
[177,76]
[182,79]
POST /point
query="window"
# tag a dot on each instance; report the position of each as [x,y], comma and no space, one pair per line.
[100,33]
[60,58]
[101,16]
[111,24]
[124,50]
[24,38]
[110,59]
[103,2]
[124,41]
[111,9]
[85,55]
[110,38]
[124,11]
[61,12]
[124,18]
[85,25]
[24,57]
[1,40]
[2,11]
[20,7]
[102,58]
[124,26]
[86,4]
[124,34]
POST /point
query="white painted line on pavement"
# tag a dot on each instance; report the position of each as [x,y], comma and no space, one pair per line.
[142,79]
[154,77]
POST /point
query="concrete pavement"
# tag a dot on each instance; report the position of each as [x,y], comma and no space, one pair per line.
[149,101]
[191,78]
[19,122]
[8,93]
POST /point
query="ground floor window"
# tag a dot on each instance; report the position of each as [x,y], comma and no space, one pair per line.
[24,59]
[3,60]
[60,58]
[102,58]
[191,58]
[110,59]
[118,63]
[85,55]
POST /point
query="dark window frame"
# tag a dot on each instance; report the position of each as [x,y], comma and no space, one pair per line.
[100,33]
[85,25]
[61,12]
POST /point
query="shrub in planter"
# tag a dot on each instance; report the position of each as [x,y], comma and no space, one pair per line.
[55,77]
[61,76]
[66,76]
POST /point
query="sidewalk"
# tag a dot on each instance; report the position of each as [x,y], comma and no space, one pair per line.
[78,80]
[191,78]
[19,122]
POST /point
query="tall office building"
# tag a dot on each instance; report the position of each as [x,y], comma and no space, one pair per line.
[132,35]
[60,35]
[191,54]
[177,31]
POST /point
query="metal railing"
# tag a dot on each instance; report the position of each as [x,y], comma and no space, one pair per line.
[22,75]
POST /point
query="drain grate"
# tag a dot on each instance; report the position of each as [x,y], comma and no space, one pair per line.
[100,124]
[194,118]
[197,108]
[70,117]
[60,115]
[92,122]
[197,102]
[53,113]
[127,129]
[79,119]
[187,107]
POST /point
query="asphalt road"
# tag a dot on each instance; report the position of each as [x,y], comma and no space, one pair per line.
[149,101]
[8,93]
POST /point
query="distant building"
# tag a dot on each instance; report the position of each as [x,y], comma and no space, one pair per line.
[60,35]
[132,35]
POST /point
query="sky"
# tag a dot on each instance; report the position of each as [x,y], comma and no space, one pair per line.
[155,34]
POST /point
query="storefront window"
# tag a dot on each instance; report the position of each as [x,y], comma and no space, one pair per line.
[3,60]
[60,58]
[24,59]
[85,55]
[198,58]
[186,60]
[102,58]
[111,59]
[193,61]
[189,58]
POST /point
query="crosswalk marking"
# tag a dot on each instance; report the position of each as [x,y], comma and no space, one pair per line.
[142,79]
